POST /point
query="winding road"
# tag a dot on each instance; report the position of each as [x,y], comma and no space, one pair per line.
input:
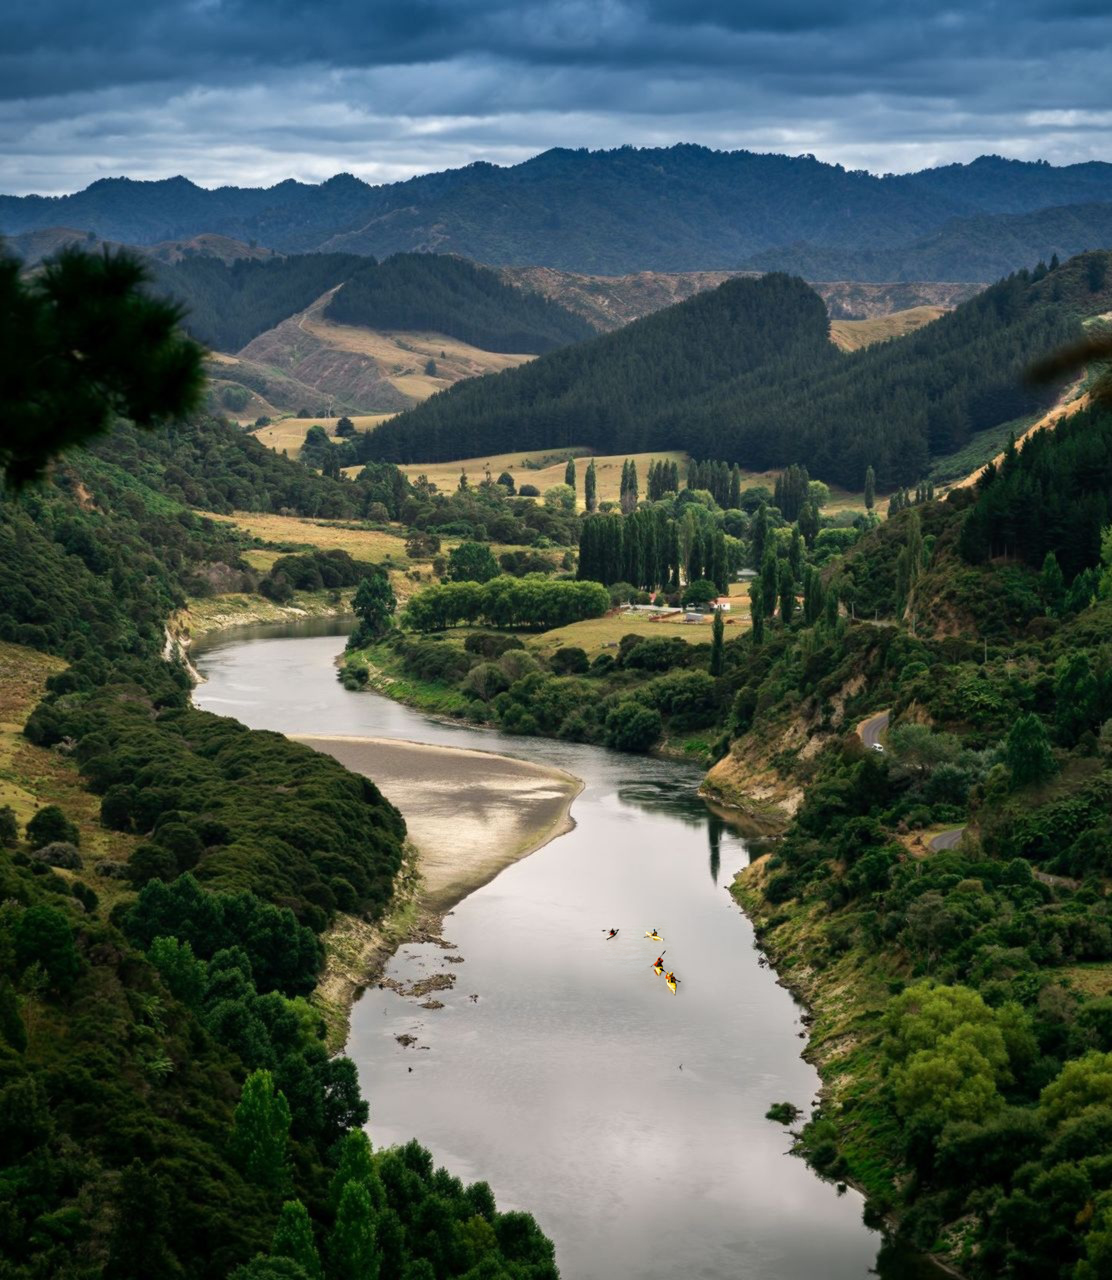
[946,839]
[871,729]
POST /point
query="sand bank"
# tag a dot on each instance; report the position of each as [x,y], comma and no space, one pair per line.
[469,814]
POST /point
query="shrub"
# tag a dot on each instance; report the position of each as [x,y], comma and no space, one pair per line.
[51,824]
[632,727]
[59,854]
[570,661]
[9,827]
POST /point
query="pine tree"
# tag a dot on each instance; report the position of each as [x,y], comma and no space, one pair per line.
[870,488]
[569,474]
[590,487]
[1052,585]
[717,644]
[293,1239]
[352,1249]
[261,1128]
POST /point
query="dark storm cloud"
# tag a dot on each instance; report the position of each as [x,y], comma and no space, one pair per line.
[251,90]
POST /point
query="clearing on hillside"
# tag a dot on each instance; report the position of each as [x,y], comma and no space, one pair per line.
[378,372]
[288,434]
[852,335]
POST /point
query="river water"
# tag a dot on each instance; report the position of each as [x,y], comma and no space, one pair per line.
[560,1069]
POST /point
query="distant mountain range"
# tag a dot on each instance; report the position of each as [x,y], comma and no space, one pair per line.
[680,208]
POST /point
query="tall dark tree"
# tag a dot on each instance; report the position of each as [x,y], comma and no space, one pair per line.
[870,488]
[590,487]
[569,474]
[718,643]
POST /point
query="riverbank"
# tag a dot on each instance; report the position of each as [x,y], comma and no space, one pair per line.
[853,1137]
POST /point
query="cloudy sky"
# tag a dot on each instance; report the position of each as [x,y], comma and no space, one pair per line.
[254,91]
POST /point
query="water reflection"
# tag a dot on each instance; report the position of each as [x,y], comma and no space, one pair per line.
[715,828]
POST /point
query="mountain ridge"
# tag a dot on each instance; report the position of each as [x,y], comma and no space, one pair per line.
[609,212]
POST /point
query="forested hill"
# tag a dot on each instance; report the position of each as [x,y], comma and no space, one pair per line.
[746,373]
[983,247]
[665,209]
[448,295]
[229,303]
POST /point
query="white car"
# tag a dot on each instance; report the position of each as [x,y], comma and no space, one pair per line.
[878,747]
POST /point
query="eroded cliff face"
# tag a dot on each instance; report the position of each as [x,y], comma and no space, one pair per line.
[766,771]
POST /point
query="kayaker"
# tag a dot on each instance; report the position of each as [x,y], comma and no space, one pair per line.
[658,963]
[669,977]
[613,932]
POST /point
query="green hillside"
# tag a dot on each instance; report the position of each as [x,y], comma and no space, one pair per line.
[746,372]
[168,1104]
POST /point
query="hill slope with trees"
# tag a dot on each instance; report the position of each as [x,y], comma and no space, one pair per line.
[228,304]
[449,295]
[746,372]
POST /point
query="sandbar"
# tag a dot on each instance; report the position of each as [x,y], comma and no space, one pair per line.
[469,813]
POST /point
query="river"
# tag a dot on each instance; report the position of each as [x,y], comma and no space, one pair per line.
[560,1069]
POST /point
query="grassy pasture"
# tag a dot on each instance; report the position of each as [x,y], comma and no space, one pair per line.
[402,356]
[372,545]
[31,777]
[546,469]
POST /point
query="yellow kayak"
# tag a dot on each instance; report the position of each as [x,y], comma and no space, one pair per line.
[672,985]
[655,936]
[658,969]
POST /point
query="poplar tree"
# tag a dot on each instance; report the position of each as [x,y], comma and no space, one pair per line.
[787,593]
[590,487]
[352,1248]
[293,1239]
[770,581]
[717,645]
[795,553]
[759,535]
[569,474]
[719,565]
[735,488]
[870,488]
[809,523]
[261,1129]
[756,610]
